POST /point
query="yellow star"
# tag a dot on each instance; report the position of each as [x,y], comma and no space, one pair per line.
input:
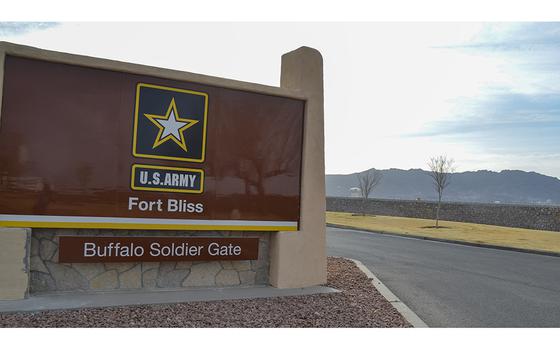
[171,126]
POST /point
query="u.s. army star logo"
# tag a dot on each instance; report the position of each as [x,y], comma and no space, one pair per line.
[170,123]
[171,126]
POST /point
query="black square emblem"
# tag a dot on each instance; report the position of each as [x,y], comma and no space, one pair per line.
[169,123]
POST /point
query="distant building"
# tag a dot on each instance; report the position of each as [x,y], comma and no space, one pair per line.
[355,192]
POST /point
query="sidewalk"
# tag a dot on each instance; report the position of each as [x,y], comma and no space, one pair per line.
[118,298]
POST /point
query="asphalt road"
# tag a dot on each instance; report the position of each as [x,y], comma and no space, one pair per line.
[449,285]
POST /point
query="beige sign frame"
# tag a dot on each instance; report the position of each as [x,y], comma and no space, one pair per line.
[296,260]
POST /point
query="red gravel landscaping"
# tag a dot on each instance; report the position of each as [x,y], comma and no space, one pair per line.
[358,305]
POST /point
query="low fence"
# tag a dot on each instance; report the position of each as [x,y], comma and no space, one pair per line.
[519,216]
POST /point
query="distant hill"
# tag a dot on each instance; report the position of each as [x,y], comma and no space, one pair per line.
[508,186]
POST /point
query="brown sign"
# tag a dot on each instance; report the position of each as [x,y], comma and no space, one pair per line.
[83,249]
[85,147]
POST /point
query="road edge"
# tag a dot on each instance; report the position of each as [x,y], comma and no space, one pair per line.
[465,243]
[402,308]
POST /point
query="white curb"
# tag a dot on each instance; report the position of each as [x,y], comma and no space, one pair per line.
[402,308]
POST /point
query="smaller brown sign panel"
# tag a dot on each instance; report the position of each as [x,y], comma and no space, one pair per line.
[92,249]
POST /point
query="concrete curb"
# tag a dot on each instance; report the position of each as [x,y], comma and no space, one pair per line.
[465,243]
[402,308]
[118,298]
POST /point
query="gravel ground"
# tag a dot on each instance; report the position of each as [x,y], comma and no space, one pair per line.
[358,305]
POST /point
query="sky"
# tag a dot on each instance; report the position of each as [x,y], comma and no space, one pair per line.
[396,94]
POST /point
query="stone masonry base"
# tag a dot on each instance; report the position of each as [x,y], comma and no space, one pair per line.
[47,275]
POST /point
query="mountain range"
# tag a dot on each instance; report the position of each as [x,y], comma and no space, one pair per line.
[508,186]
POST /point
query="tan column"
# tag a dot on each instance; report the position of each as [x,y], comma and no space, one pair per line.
[14,262]
[298,259]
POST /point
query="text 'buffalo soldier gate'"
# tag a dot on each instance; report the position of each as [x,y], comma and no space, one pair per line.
[121,176]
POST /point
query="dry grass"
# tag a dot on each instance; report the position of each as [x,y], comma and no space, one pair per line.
[539,240]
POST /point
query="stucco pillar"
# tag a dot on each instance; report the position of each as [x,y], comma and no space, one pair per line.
[14,262]
[298,259]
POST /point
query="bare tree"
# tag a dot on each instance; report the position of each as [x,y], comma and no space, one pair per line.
[367,181]
[441,169]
